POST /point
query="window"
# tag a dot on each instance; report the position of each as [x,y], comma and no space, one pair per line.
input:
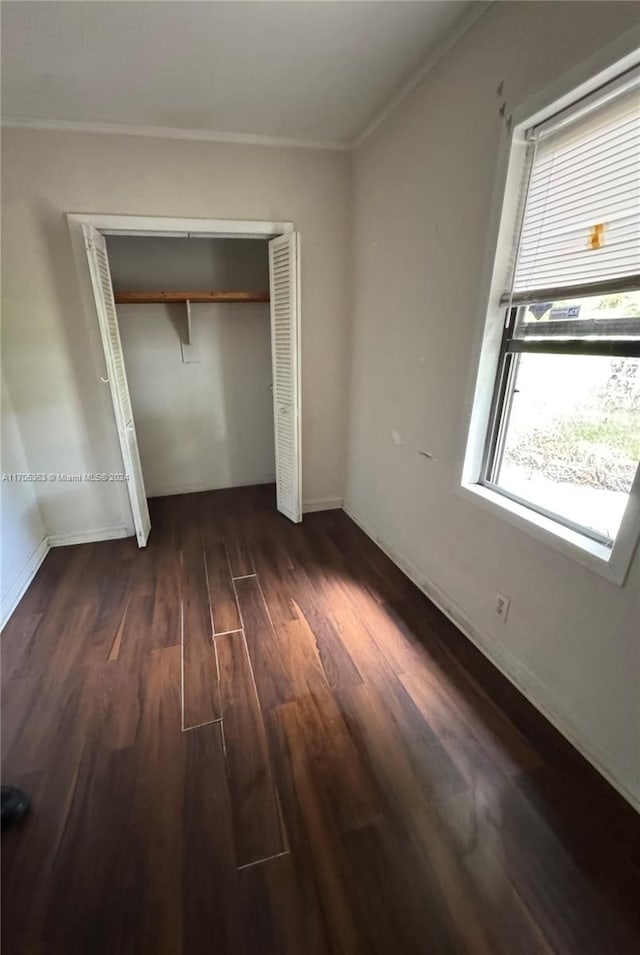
[562,437]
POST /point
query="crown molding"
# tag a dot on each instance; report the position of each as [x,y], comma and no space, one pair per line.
[168,132]
[465,23]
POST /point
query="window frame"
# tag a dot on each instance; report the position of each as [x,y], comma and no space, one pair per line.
[490,384]
[554,342]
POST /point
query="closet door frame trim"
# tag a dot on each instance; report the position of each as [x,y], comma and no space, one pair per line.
[159,226]
[180,227]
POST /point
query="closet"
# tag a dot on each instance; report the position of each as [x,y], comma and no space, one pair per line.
[201,341]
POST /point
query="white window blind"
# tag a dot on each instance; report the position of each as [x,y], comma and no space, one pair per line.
[580,229]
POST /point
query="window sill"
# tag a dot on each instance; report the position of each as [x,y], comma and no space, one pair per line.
[610,563]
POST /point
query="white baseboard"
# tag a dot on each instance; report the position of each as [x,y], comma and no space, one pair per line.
[322,504]
[114,532]
[14,592]
[531,687]
[196,488]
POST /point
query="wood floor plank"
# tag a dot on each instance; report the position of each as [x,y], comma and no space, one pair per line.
[452,886]
[430,756]
[201,691]
[486,746]
[59,631]
[18,722]
[50,579]
[269,667]
[274,570]
[257,824]
[94,817]
[224,607]
[159,791]
[557,800]
[340,670]
[17,639]
[290,919]
[208,863]
[258,934]
[165,545]
[300,594]
[154,929]
[200,678]
[110,622]
[390,898]
[317,846]
[239,554]
[319,740]
[34,738]
[115,699]
[374,664]
[130,634]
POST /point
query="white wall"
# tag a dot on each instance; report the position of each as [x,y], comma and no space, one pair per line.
[422,199]
[205,424]
[23,543]
[52,355]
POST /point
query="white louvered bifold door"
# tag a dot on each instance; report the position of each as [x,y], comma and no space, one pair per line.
[108,320]
[284,281]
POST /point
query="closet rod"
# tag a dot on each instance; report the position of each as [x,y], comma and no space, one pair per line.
[148,298]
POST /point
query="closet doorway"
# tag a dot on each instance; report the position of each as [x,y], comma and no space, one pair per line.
[189,306]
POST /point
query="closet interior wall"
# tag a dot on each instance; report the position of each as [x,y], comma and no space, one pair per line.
[205,423]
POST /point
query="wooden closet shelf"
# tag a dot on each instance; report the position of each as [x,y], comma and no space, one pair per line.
[148,298]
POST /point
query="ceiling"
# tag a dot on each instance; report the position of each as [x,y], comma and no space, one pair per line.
[314,72]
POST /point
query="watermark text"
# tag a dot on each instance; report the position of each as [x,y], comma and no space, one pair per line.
[62,477]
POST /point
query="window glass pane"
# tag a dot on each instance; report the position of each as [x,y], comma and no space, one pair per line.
[572,436]
[616,315]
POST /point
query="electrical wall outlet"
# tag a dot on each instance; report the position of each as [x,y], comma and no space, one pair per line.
[502,606]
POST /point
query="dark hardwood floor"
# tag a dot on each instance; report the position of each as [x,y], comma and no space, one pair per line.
[255,737]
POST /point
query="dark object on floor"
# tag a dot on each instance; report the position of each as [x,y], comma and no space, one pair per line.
[14,805]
